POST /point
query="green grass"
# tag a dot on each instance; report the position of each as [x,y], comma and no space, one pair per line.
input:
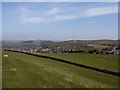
[109,62]
[78,48]
[98,46]
[0,69]
[25,71]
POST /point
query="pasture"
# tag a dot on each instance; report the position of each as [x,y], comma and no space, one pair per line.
[109,62]
[0,69]
[25,71]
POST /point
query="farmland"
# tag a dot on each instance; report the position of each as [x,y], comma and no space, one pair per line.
[25,71]
[0,69]
[109,62]
[63,46]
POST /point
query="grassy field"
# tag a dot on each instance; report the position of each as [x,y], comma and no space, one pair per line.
[98,46]
[109,62]
[0,69]
[25,71]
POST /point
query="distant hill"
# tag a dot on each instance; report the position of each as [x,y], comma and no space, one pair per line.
[24,44]
[84,44]
[71,44]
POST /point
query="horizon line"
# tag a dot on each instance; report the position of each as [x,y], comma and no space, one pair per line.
[59,40]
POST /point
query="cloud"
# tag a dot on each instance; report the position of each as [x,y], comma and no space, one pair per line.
[54,14]
[52,19]
[53,11]
[24,11]
[32,19]
[100,11]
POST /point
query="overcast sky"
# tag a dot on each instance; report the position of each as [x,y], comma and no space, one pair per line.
[59,21]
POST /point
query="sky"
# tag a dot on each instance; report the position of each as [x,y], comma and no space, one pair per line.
[0,21]
[59,20]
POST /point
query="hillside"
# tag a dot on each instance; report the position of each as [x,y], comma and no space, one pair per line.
[99,61]
[20,44]
[72,44]
[25,71]
[84,45]
[0,69]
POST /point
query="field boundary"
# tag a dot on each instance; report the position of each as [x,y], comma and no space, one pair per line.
[72,63]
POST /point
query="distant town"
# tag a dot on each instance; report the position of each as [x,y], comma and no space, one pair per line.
[72,46]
